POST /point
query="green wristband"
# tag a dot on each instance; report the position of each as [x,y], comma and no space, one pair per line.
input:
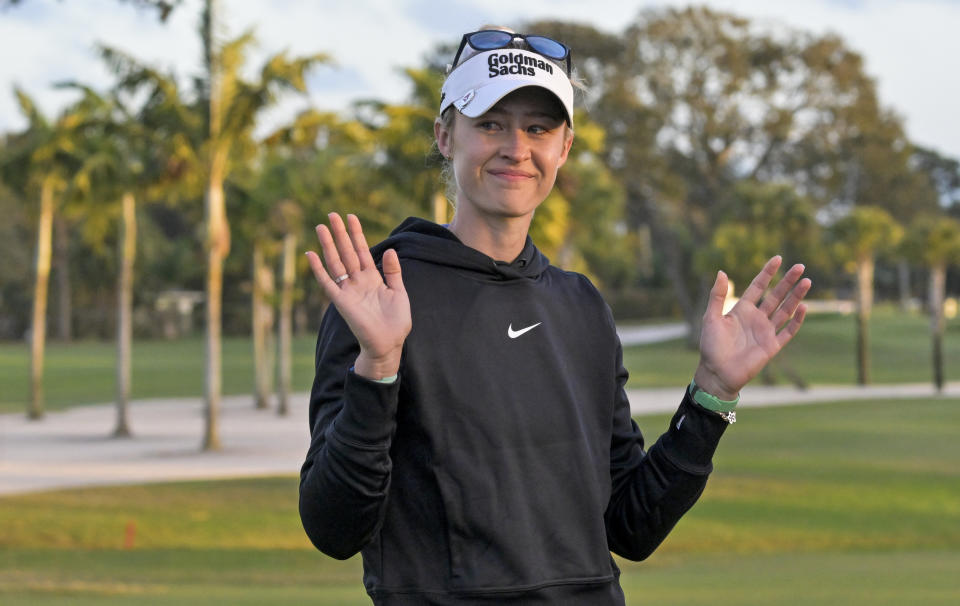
[386,380]
[711,402]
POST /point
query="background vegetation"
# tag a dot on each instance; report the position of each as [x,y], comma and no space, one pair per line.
[704,141]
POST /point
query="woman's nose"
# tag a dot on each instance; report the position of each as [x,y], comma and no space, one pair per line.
[515,145]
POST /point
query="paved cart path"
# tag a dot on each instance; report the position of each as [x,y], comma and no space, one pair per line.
[73,448]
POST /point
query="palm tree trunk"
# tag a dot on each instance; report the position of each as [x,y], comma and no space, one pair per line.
[62,242]
[262,320]
[286,321]
[128,254]
[864,308]
[938,281]
[39,329]
[218,245]
[218,234]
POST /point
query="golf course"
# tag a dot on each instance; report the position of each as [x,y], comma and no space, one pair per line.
[826,503]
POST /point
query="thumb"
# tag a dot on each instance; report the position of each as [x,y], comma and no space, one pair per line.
[718,294]
[391,270]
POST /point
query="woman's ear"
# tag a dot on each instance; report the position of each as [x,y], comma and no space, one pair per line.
[442,135]
[567,143]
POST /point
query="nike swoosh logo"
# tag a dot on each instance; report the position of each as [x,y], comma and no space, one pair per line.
[513,334]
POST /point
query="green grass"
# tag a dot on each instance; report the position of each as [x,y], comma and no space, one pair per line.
[823,353]
[83,372]
[837,503]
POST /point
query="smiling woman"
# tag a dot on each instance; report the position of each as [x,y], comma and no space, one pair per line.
[506,163]
[470,431]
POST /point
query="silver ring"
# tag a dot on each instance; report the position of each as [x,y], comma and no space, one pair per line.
[340,279]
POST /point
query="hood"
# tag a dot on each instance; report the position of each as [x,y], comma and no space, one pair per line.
[426,241]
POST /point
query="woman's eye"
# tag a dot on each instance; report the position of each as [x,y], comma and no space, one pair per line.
[488,125]
[537,129]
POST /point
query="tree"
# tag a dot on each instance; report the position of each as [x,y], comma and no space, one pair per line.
[761,220]
[256,187]
[40,160]
[316,164]
[137,152]
[404,164]
[288,217]
[868,160]
[232,105]
[859,237]
[934,241]
[581,225]
[15,249]
[943,173]
[694,101]
[108,173]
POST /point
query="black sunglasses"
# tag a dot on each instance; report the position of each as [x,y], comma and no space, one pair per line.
[492,39]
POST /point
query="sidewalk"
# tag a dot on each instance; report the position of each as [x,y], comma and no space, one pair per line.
[74,448]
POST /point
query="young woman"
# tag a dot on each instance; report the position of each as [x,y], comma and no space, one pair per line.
[470,431]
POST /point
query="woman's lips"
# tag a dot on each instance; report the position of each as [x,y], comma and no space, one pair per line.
[511,174]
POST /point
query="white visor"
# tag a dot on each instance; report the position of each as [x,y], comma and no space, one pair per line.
[477,84]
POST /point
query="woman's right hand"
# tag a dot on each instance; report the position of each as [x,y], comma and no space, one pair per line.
[376,308]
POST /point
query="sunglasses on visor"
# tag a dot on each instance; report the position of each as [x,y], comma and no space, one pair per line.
[492,39]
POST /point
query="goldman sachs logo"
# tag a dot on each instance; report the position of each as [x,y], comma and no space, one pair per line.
[504,64]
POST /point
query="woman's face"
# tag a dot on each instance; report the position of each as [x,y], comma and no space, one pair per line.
[505,162]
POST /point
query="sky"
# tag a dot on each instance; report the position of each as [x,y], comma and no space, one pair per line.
[912,48]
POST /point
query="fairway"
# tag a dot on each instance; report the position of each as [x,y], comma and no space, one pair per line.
[836,503]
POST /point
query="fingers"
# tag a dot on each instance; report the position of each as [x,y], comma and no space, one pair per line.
[776,296]
[323,278]
[346,253]
[345,250]
[391,271]
[792,303]
[791,329]
[331,257]
[359,242]
[344,245]
[753,292]
[718,294]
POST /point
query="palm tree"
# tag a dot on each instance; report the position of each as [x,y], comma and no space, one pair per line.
[935,243]
[115,169]
[233,105]
[288,216]
[108,172]
[262,292]
[40,160]
[257,186]
[860,236]
[144,152]
[308,160]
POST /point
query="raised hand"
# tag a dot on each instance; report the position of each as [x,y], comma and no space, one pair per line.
[376,308]
[735,347]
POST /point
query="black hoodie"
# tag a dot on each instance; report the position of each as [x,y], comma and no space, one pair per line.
[503,465]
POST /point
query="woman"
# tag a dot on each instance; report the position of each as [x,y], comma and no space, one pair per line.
[470,431]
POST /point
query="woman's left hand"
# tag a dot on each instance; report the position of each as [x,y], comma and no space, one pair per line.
[735,347]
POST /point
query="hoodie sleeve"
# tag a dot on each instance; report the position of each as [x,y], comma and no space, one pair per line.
[345,480]
[651,490]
